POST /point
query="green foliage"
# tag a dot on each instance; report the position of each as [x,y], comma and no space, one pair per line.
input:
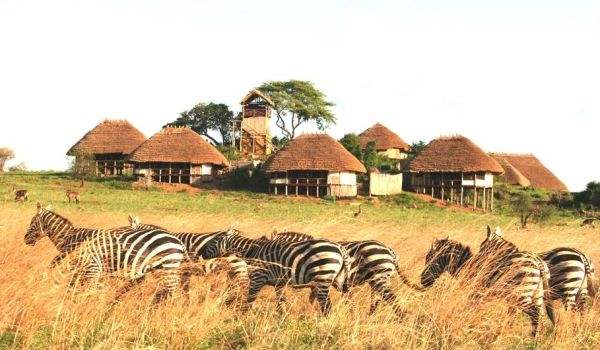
[298,102]
[246,179]
[204,118]
[230,152]
[83,166]
[370,156]
[526,207]
[590,197]
[279,142]
[416,148]
[351,142]
[8,340]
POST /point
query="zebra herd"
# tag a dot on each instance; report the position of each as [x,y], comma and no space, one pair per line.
[529,281]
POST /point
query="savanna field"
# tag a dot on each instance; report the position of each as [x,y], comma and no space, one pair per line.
[37,311]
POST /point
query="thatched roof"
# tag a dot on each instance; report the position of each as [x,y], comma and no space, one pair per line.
[314,152]
[383,137]
[532,169]
[511,174]
[254,93]
[178,145]
[453,154]
[110,136]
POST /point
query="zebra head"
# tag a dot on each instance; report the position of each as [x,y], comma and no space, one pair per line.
[494,244]
[37,227]
[445,255]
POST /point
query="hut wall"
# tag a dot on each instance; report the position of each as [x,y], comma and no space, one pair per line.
[478,179]
[342,184]
[385,184]
[393,153]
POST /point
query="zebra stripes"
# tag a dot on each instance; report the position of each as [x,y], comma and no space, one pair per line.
[132,253]
[316,264]
[517,275]
[571,277]
[372,262]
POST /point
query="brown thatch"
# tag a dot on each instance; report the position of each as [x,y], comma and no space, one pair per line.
[533,170]
[453,154]
[178,145]
[314,152]
[511,174]
[110,136]
[254,93]
[383,137]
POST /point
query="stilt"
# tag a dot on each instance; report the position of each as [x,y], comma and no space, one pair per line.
[475,198]
[286,189]
[492,199]
[275,189]
[462,191]
[452,195]
[484,204]
[443,199]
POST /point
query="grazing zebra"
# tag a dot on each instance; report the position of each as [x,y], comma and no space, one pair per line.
[520,275]
[571,276]
[316,264]
[72,196]
[130,252]
[445,255]
[372,262]
[237,271]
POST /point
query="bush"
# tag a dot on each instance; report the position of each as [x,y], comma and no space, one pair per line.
[246,179]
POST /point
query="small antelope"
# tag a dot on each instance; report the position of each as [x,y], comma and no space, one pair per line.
[72,196]
[20,195]
[588,222]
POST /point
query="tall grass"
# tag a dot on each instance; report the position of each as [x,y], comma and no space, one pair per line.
[37,312]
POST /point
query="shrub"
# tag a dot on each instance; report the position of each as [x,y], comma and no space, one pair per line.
[246,179]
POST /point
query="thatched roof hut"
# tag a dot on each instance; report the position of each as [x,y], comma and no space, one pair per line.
[314,152]
[529,168]
[384,139]
[455,169]
[177,154]
[453,154]
[314,164]
[178,145]
[107,145]
[109,137]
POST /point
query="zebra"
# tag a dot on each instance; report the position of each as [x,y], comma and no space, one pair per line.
[314,264]
[571,276]
[372,262]
[520,275]
[133,253]
[238,273]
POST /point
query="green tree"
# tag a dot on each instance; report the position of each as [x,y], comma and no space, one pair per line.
[351,142]
[416,148]
[83,166]
[206,117]
[370,156]
[5,154]
[279,142]
[298,102]
[591,194]
[522,206]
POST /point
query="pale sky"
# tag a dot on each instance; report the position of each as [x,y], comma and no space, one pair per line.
[513,76]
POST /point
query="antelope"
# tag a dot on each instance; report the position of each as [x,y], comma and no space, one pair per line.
[72,195]
[20,195]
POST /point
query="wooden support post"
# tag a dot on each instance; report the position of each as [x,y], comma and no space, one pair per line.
[170,172]
[443,199]
[275,189]
[286,189]
[462,191]
[296,188]
[190,174]
[452,195]
[475,198]
[484,204]
[492,199]
[179,175]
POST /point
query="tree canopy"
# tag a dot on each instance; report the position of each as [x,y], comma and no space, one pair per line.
[351,142]
[206,117]
[5,155]
[298,102]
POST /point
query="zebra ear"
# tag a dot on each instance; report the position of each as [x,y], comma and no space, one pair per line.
[130,218]
[49,207]
[498,231]
[38,206]
[489,231]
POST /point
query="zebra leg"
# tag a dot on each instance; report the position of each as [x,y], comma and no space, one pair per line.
[256,284]
[533,311]
[569,301]
[375,300]
[126,288]
[169,281]
[321,293]
[280,298]
[382,288]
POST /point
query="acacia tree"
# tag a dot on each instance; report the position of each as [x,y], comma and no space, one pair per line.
[298,102]
[83,166]
[206,117]
[351,142]
[5,154]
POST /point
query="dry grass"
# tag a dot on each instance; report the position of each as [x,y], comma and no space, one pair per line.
[36,311]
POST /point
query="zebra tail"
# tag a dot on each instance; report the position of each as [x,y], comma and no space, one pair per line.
[403,277]
[589,274]
[341,282]
[546,285]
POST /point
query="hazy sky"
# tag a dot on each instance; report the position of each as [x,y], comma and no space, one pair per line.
[514,76]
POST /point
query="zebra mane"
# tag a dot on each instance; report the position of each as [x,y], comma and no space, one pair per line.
[292,236]
[67,221]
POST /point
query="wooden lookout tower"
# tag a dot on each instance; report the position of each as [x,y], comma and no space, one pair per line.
[252,129]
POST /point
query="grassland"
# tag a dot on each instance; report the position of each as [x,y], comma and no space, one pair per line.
[37,312]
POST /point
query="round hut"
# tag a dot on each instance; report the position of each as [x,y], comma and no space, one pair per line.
[313,165]
[455,169]
[177,155]
[386,141]
[527,171]
[108,145]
